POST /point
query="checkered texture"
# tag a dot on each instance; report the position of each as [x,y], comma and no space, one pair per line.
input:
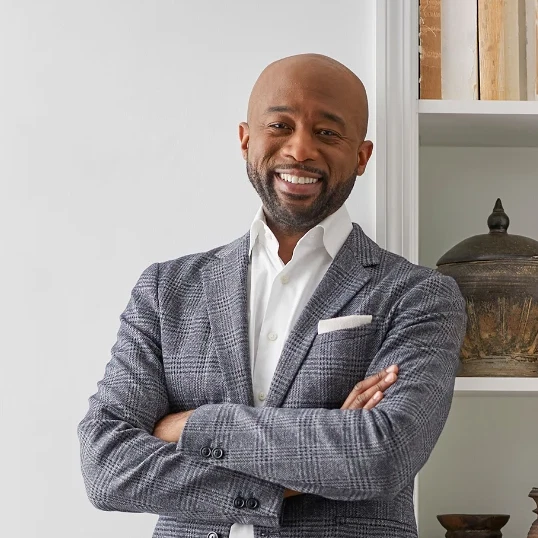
[183,344]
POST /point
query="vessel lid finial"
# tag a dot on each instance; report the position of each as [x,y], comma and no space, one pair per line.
[498,221]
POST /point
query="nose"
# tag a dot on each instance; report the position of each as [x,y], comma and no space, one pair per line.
[301,145]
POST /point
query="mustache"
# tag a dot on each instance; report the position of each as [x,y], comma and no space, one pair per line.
[304,168]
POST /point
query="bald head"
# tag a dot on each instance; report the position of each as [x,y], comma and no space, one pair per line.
[304,141]
[318,74]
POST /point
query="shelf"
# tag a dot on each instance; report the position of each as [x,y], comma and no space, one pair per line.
[468,386]
[483,463]
[478,123]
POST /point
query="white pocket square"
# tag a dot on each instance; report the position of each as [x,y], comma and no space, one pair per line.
[345,322]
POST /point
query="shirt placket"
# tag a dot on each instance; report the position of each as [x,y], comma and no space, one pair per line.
[273,333]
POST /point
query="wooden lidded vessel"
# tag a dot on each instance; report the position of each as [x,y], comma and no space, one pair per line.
[533,533]
[498,275]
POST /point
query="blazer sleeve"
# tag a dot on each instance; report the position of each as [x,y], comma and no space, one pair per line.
[124,467]
[354,454]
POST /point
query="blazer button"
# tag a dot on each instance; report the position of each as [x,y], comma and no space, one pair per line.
[205,451]
[253,503]
[213,535]
[218,453]
[239,502]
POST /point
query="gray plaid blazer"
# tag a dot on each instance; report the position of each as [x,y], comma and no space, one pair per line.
[183,344]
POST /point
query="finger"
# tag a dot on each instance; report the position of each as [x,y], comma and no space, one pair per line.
[374,400]
[363,386]
[368,383]
[360,399]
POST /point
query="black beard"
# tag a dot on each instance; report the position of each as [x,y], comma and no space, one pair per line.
[299,221]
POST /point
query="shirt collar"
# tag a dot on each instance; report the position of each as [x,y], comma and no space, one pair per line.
[335,230]
[258,227]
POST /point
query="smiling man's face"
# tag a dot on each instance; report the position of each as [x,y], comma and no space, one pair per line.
[304,140]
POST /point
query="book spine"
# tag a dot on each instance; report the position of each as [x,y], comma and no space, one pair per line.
[501,49]
[515,50]
[430,49]
[491,49]
[459,49]
[531,16]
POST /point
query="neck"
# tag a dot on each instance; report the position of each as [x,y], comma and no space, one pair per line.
[287,240]
[286,245]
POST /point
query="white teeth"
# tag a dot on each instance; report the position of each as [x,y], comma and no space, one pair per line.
[296,179]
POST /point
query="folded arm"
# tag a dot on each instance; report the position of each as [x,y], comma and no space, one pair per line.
[366,394]
[346,454]
[125,467]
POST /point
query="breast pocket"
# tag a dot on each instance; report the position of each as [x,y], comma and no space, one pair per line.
[345,334]
[336,361]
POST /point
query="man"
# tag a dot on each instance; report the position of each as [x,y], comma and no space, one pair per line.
[230,406]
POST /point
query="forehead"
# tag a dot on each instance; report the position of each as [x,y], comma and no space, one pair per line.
[309,94]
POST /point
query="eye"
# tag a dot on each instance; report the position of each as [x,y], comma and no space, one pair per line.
[279,125]
[327,132]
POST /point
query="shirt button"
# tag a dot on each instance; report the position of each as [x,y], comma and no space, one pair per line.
[272,336]
[252,503]
[284,279]
[261,396]
[205,451]
[218,453]
[213,535]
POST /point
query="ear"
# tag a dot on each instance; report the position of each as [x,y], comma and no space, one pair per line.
[365,152]
[244,137]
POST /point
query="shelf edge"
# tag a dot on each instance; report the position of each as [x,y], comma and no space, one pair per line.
[481,385]
[493,108]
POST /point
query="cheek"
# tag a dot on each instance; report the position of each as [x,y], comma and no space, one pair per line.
[263,150]
[342,165]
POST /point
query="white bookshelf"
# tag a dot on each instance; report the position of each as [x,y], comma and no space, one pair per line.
[478,123]
[442,166]
[483,460]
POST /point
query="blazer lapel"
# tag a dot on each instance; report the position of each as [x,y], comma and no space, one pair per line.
[344,278]
[225,287]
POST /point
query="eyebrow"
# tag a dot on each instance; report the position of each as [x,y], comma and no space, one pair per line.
[327,115]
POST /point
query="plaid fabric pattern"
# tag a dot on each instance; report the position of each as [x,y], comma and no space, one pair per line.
[183,344]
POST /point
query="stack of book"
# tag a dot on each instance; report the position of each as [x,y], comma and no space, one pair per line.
[479,49]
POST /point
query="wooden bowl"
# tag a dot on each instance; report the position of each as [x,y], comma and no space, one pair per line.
[458,525]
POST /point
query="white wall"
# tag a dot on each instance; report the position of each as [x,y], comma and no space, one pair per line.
[118,148]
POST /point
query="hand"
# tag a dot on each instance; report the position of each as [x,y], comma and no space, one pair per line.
[365,395]
[170,427]
[290,493]
[370,391]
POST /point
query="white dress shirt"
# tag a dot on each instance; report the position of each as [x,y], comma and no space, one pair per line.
[277,294]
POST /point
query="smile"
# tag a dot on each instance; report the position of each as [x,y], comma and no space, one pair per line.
[298,179]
